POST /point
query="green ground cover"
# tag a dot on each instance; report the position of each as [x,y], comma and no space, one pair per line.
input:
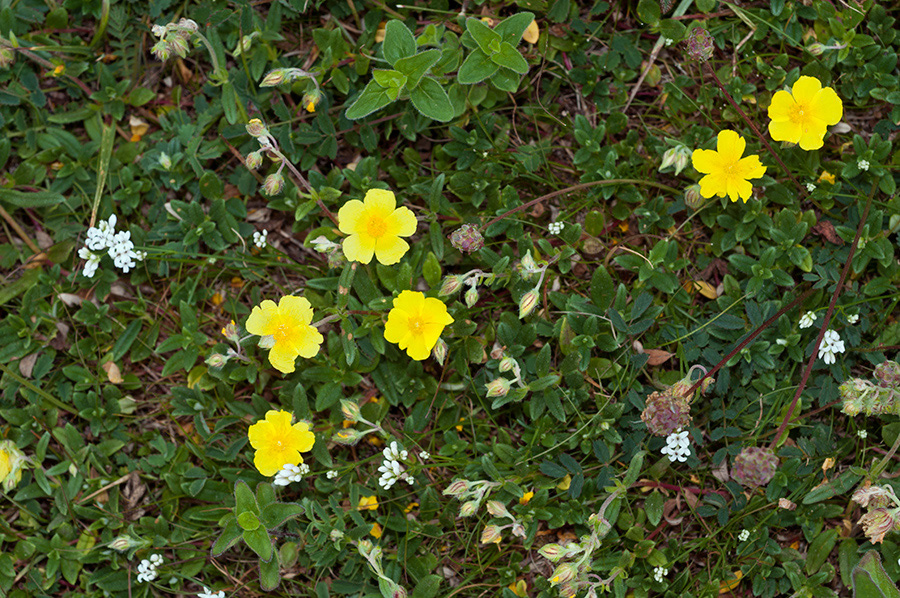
[534,298]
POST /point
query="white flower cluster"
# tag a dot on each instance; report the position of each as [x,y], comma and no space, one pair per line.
[659,573]
[853,318]
[810,187]
[391,469]
[808,319]
[744,535]
[260,239]
[331,474]
[831,345]
[290,473]
[863,434]
[678,446]
[556,227]
[863,165]
[207,593]
[424,455]
[147,568]
[118,246]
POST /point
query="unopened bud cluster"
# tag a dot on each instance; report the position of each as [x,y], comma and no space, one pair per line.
[373,555]
[754,466]
[273,183]
[881,397]
[470,493]
[677,158]
[883,515]
[174,38]
[467,238]
[667,411]
[500,386]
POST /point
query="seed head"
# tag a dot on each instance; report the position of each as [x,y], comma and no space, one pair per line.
[467,238]
[754,466]
[699,44]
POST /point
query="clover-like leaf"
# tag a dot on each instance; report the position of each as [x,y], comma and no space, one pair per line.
[430,99]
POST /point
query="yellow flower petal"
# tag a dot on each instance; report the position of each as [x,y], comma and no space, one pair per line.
[297,308]
[730,145]
[380,202]
[827,106]
[726,172]
[416,323]
[784,130]
[782,106]
[277,442]
[358,248]
[705,161]
[350,215]
[374,226]
[805,89]
[287,326]
[389,250]
[813,136]
[259,321]
[402,222]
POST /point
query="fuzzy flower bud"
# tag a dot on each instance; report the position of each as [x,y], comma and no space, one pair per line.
[457,488]
[471,296]
[161,50]
[816,49]
[754,466]
[189,25]
[439,352]
[256,128]
[348,436]
[310,100]
[528,302]
[507,364]
[7,57]
[563,574]
[497,509]
[490,534]
[877,523]
[664,413]
[216,360]
[498,387]
[273,184]
[887,373]
[180,46]
[692,197]
[350,410]
[158,30]
[125,542]
[676,157]
[468,508]
[254,160]
[273,78]
[165,161]
[700,44]
[872,496]
[551,552]
[450,285]
[467,238]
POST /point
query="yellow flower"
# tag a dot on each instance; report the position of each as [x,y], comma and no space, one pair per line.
[726,172]
[278,443]
[525,498]
[375,226]
[416,323]
[12,461]
[410,507]
[368,503]
[803,115]
[376,530]
[285,330]
[826,177]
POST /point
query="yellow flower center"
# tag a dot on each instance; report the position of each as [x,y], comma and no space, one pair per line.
[376,226]
[800,113]
[416,325]
[283,332]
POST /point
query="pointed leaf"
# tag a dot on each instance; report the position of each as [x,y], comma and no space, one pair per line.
[398,41]
[374,97]
[260,542]
[415,67]
[484,36]
[509,57]
[269,574]
[244,499]
[512,28]
[430,99]
[277,513]
[870,580]
[506,80]
[476,68]
[230,536]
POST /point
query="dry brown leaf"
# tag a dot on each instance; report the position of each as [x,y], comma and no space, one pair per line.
[825,229]
[70,299]
[26,365]
[784,503]
[690,498]
[658,356]
[113,372]
[721,472]
[706,289]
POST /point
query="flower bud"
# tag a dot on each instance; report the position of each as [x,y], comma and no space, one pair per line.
[450,285]
[216,360]
[498,387]
[161,50]
[180,46]
[273,184]
[699,44]
[348,436]
[563,573]
[273,78]
[816,49]
[7,57]
[468,508]
[518,530]
[256,128]
[507,364]
[872,496]
[365,548]
[188,25]
[12,461]
[165,161]
[551,552]
[490,534]
[350,410]
[457,488]
[126,542]
[692,197]
[471,296]
[267,341]
[497,509]
[887,374]
[876,524]
[158,30]
[439,352]
[677,157]
[311,99]
[254,160]
[467,238]
[323,245]
[754,467]
[336,535]
[527,303]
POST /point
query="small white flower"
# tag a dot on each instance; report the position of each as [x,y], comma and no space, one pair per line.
[331,474]
[101,237]
[669,41]
[260,238]
[556,227]
[289,473]
[781,341]
[831,345]
[92,261]
[207,593]
[808,319]
[862,434]
[810,187]
[678,446]
[156,559]
[744,535]
[853,318]
[659,573]
[147,568]
[863,165]
[424,455]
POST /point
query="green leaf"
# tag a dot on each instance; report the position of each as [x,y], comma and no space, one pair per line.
[231,533]
[415,67]
[389,78]
[847,559]
[374,97]
[634,469]
[603,289]
[211,186]
[487,39]
[33,199]
[248,521]
[430,99]
[544,382]
[649,12]
[140,96]
[259,541]
[870,580]
[10,291]
[476,68]
[244,499]
[269,574]
[398,41]
[431,270]
[506,80]
[839,485]
[509,57]
[512,28]
[427,587]
[277,513]
[819,549]
[265,495]
[653,506]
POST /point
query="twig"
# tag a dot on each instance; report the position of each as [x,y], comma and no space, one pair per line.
[19,230]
